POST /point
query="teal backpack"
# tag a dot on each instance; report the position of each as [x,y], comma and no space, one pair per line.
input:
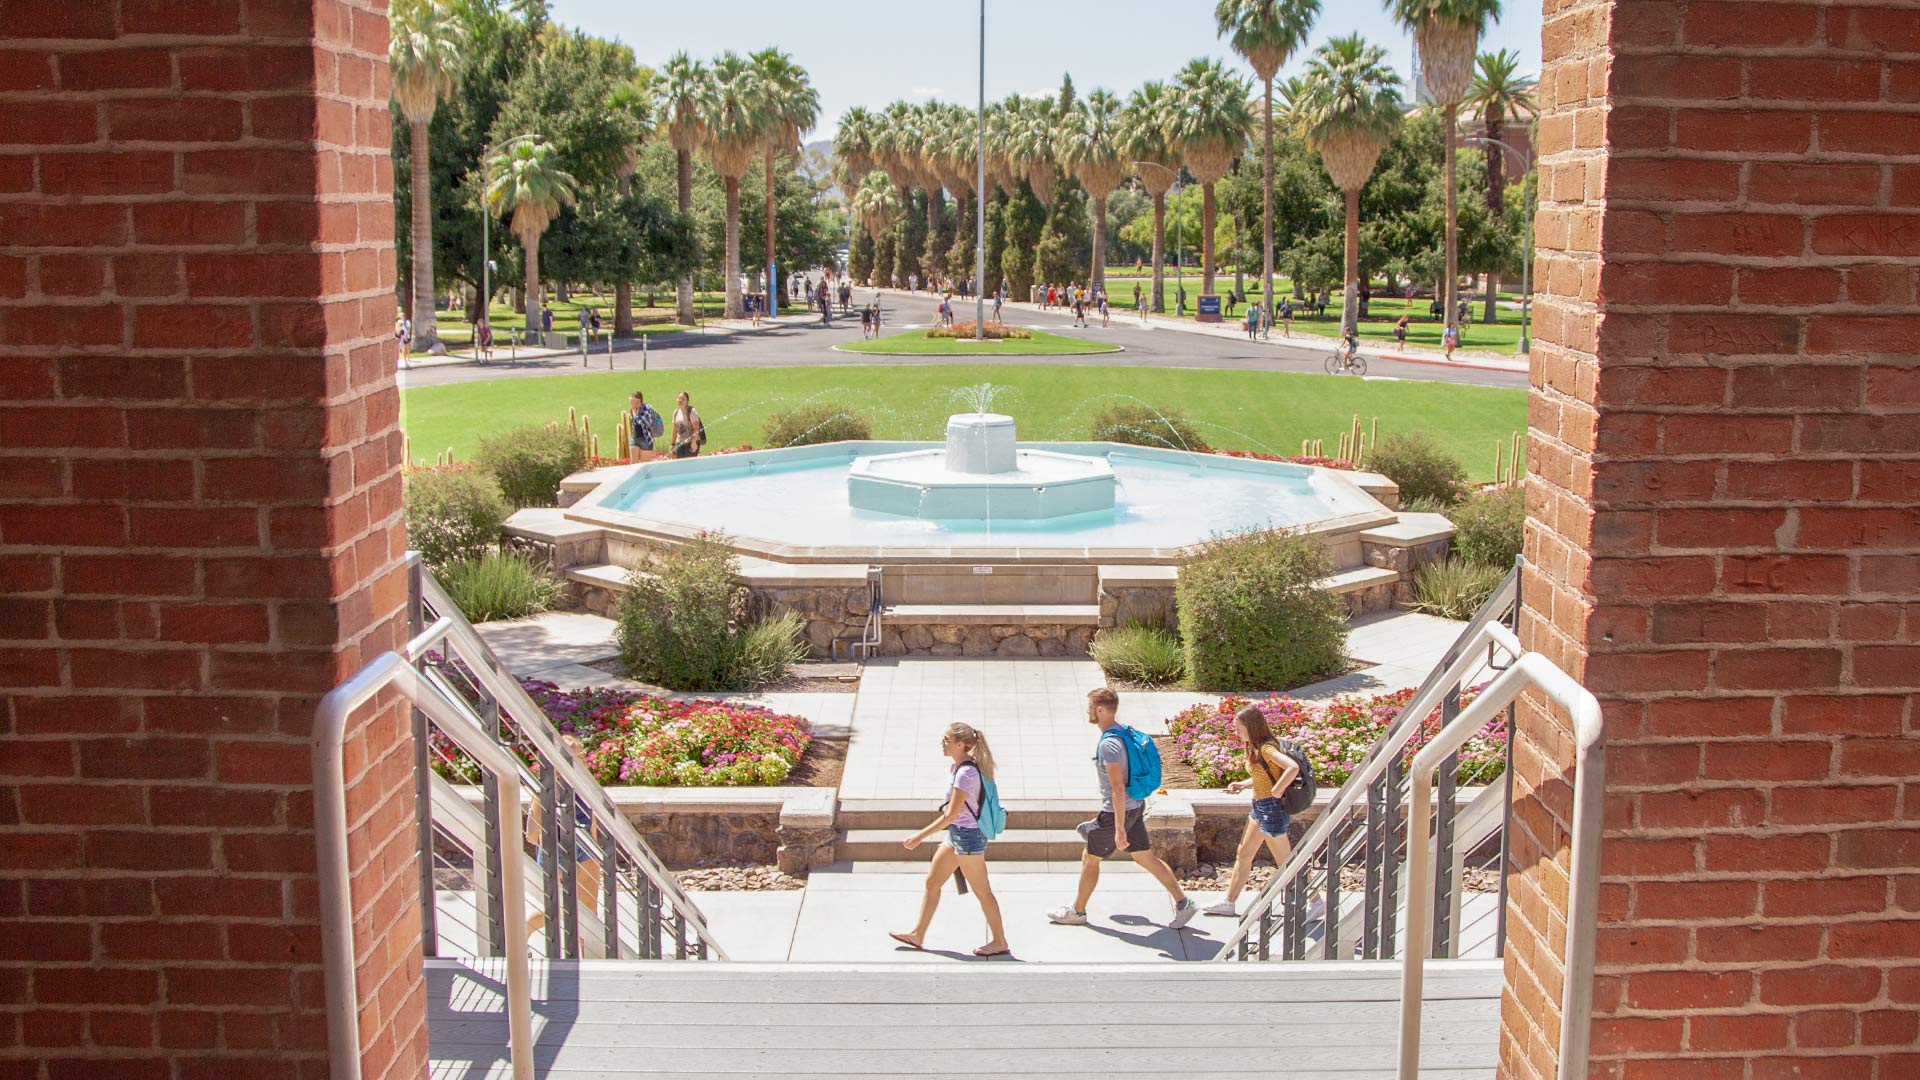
[992,817]
[1143,760]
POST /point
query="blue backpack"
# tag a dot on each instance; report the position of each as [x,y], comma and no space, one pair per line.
[991,816]
[1143,760]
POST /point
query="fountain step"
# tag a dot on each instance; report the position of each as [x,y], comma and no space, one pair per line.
[910,814]
[1358,578]
[993,614]
[1025,845]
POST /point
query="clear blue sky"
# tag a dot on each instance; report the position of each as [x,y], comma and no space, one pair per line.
[866,53]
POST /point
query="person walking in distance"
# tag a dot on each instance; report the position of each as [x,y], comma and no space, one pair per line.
[971,818]
[1269,773]
[1126,771]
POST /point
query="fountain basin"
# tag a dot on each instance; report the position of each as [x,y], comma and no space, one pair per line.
[1039,484]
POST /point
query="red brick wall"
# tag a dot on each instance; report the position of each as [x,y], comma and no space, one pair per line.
[199,533]
[1725,534]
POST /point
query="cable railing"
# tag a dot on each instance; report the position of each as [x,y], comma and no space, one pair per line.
[1315,900]
[595,889]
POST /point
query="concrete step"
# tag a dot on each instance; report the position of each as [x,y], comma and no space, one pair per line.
[857,845]
[993,614]
[910,814]
[1360,577]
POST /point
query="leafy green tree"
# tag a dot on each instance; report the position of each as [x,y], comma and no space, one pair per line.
[1499,95]
[529,184]
[1352,111]
[426,54]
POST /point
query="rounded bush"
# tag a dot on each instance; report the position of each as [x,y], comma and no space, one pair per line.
[1420,466]
[1489,526]
[530,461]
[806,425]
[1140,424]
[1253,615]
[453,512]
[683,623]
[499,585]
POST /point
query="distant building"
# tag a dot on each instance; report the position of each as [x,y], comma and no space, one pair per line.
[1421,96]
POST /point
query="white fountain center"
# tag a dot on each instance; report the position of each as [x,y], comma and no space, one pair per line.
[982,474]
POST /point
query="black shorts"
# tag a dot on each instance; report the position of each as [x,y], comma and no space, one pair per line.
[1099,832]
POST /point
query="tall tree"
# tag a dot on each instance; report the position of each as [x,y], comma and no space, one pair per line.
[632,101]
[1447,33]
[1144,138]
[1212,130]
[684,90]
[792,106]
[1499,94]
[1352,110]
[1266,33]
[528,182]
[427,52]
[736,123]
[1087,144]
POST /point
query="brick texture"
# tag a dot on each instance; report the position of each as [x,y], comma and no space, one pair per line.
[1724,530]
[199,534]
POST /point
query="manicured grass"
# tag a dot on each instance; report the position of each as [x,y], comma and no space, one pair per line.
[455,330]
[917,343]
[1270,411]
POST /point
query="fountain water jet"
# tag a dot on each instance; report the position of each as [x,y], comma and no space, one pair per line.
[981,474]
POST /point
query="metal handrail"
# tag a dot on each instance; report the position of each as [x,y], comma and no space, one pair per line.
[1460,659]
[1536,671]
[531,721]
[393,669]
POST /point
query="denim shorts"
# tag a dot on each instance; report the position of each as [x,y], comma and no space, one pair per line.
[966,840]
[1271,816]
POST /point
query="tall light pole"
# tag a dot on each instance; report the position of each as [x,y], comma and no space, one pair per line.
[1524,346]
[980,194]
[486,216]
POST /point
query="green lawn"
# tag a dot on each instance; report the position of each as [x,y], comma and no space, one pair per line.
[1269,411]
[917,343]
[455,329]
[1382,312]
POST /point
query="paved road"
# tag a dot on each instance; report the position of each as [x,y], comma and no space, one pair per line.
[791,345]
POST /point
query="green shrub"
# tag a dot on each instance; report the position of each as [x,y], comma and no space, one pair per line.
[499,585]
[1455,588]
[1140,653]
[1140,424]
[1253,615]
[807,425]
[766,651]
[530,461]
[1488,527]
[1422,469]
[454,512]
[677,616]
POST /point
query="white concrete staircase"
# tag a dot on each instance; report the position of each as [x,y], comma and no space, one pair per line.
[1302,1021]
[1037,830]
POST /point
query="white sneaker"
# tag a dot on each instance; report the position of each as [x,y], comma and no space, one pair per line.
[1067,916]
[1223,908]
[1183,913]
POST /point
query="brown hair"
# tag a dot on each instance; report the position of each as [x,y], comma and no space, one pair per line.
[1105,697]
[1259,734]
[976,743]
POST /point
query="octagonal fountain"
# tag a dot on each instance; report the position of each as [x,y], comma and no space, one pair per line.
[981,474]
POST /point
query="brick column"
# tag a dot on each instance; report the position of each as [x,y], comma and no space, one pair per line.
[1725,537]
[199,534]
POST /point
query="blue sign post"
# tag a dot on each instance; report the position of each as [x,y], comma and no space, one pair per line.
[1209,308]
[773,289]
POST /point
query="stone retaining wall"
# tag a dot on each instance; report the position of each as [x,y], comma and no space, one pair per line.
[1033,639]
[1150,605]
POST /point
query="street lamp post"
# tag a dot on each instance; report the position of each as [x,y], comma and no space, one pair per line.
[486,217]
[980,194]
[1525,345]
[1179,273]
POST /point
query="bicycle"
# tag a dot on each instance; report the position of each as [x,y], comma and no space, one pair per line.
[1342,363]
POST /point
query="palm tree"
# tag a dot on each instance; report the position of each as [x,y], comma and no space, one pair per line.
[684,90]
[792,106]
[1499,94]
[1031,145]
[1447,33]
[1144,139]
[427,53]
[875,204]
[1266,32]
[1214,120]
[1087,144]
[526,179]
[736,125]
[853,146]
[1350,112]
[632,102]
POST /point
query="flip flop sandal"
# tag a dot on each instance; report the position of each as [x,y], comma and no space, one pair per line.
[983,953]
[905,940]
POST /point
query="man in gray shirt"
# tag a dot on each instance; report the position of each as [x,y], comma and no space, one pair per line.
[1103,839]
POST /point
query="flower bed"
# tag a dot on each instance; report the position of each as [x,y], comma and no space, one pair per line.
[994,331]
[640,739]
[1335,737]
[1291,459]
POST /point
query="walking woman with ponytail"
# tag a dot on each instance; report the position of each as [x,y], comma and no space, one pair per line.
[1269,773]
[972,802]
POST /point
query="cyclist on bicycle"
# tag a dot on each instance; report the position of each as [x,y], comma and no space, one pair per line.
[1349,345]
